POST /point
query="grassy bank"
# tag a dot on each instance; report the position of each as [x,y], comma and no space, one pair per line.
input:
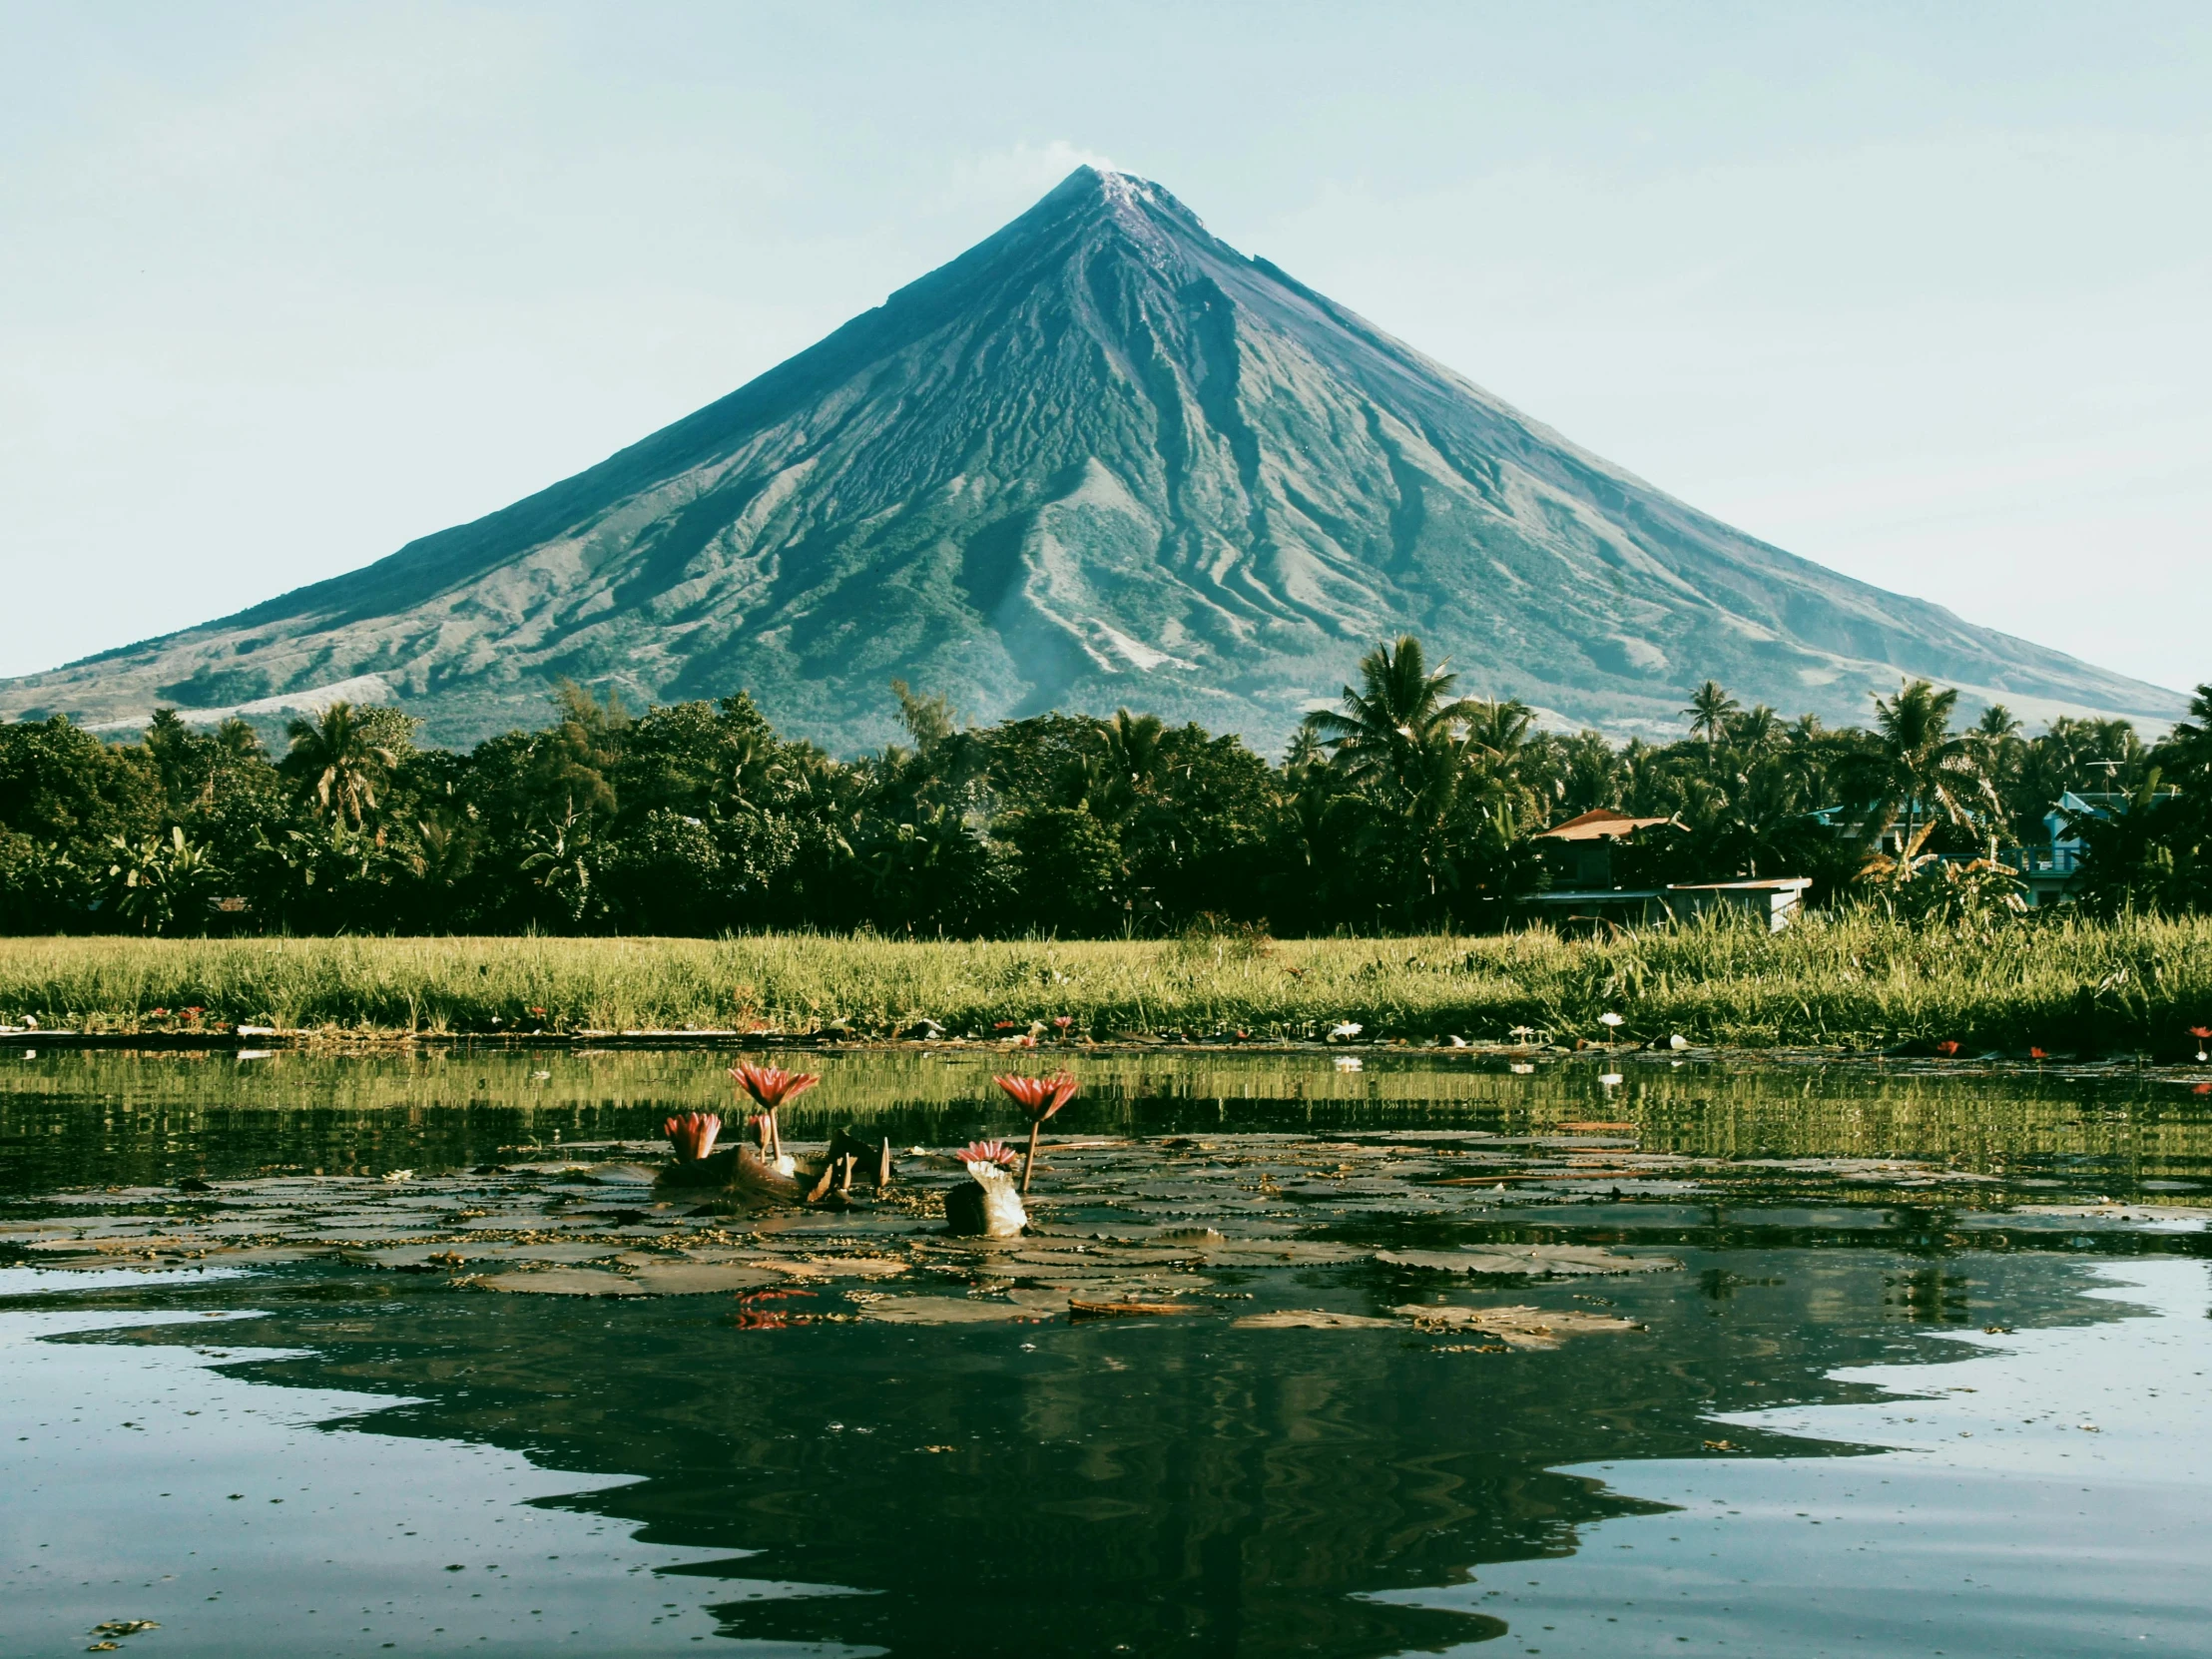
[2066,987]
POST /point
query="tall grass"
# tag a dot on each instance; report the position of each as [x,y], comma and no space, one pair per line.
[2067,986]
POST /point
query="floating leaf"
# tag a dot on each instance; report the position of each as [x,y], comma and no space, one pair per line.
[1080,1309]
[1313,1318]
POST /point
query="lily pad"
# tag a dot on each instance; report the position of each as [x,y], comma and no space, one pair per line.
[1283,1253]
[699,1279]
[562,1281]
[1530,1327]
[1104,1255]
[622,1175]
[1313,1318]
[455,1255]
[837,1267]
[1562,1261]
[947,1309]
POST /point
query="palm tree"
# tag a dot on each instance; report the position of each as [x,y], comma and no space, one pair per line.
[1384,728]
[1758,729]
[2187,751]
[166,731]
[1499,731]
[1996,724]
[173,747]
[2003,759]
[238,739]
[342,760]
[1589,775]
[1126,771]
[1502,769]
[1758,814]
[1709,709]
[1431,782]
[1919,766]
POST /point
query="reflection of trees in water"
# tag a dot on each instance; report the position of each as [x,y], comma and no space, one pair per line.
[1929,1295]
[1218,1492]
[1185,1490]
[101,1117]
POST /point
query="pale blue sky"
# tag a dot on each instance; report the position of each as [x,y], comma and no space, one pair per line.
[1918,291]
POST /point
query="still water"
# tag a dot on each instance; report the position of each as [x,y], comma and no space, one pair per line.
[406,1353]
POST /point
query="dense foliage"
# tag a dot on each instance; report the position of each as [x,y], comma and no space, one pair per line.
[1407,809]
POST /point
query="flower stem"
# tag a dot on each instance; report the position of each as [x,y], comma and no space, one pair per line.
[1029,1163]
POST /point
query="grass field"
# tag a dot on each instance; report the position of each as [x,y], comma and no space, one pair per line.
[2068,987]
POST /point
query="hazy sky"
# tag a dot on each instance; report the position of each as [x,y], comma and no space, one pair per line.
[1918,292]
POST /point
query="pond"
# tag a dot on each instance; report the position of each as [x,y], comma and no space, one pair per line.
[1303,1354]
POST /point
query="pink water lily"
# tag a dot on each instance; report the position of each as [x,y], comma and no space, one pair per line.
[988,1152]
[692,1134]
[772,1086]
[1040,1097]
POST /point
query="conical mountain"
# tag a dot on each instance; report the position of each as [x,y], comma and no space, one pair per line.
[1102,458]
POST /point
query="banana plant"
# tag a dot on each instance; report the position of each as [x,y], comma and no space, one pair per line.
[162,884]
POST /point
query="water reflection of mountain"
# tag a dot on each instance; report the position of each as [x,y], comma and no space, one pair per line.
[104,1117]
[1170,1489]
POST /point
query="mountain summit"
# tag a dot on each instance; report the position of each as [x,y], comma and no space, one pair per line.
[1101,458]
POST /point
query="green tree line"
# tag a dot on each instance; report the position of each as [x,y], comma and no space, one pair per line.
[1406,807]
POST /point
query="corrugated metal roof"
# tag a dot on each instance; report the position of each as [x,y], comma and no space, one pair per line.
[1599,823]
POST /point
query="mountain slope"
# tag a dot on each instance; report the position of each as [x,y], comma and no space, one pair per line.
[1101,458]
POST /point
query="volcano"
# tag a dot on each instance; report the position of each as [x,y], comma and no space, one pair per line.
[1100,459]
